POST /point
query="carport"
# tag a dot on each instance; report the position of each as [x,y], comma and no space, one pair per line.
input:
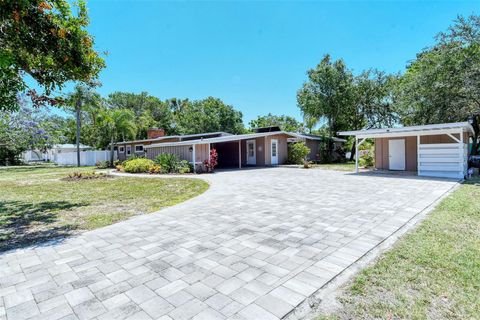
[436,150]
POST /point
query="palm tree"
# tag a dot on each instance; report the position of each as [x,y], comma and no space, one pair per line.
[117,123]
[82,97]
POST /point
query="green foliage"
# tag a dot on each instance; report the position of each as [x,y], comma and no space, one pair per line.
[184,167]
[297,152]
[49,43]
[168,162]
[441,85]
[103,164]
[286,123]
[138,165]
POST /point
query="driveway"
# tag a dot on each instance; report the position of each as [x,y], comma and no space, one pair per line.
[254,246]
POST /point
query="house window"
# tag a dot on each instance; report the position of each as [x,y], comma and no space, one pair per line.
[139,148]
[129,150]
[251,151]
[274,149]
[121,149]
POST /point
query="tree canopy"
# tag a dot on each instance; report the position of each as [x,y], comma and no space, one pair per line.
[285,122]
[45,40]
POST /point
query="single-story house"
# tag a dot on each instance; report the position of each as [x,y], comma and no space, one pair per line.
[436,150]
[264,147]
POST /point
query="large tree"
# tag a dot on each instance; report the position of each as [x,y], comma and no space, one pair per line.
[117,124]
[207,115]
[442,83]
[45,40]
[285,122]
[329,94]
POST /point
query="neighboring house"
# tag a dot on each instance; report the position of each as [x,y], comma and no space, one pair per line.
[52,153]
[265,147]
[437,150]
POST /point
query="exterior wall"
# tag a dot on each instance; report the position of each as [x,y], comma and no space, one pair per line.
[381,153]
[123,156]
[381,149]
[314,146]
[282,149]
[201,153]
[182,152]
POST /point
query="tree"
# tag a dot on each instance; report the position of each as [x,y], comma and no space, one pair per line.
[149,111]
[82,97]
[285,122]
[27,129]
[45,40]
[207,115]
[117,124]
[328,94]
[441,84]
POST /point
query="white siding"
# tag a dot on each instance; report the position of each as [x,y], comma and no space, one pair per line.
[444,160]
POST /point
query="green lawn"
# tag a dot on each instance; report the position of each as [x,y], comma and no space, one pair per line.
[432,273]
[36,204]
[347,166]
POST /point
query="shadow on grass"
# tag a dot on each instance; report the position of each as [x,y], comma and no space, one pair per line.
[23,224]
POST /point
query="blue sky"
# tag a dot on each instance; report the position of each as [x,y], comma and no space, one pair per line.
[254,55]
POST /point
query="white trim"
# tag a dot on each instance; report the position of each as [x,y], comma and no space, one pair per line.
[194,159]
[254,158]
[139,145]
[121,149]
[271,151]
[404,131]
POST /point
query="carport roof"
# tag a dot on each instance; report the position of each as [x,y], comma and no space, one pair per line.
[430,129]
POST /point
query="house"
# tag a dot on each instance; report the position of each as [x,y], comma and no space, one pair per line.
[264,147]
[436,150]
[51,154]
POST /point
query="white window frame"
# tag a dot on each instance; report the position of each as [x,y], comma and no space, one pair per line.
[139,145]
[121,149]
[129,150]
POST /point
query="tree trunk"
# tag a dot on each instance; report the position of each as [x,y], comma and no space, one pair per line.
[352,152]
[111,151]
[77,114]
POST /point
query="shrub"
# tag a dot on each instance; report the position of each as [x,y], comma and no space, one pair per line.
[103,164]
[168,162]
[119,167]
[184,167]
[76,176]
[212,162]
[297,152]
[138,165]
[155,169]
[117,163]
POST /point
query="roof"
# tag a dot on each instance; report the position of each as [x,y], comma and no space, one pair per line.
[69,146]
[266,129]
[429,129]
[236,137]
[315,137]
[180,137]
[229,138]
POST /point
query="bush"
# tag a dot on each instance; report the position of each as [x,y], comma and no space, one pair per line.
[76,176]
[117,163]
[155,169]
[212,163]
[103,164]
[138,165]
[297,152]
[184,167]
[168,161]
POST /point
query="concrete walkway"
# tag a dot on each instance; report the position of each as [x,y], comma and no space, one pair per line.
[254,246]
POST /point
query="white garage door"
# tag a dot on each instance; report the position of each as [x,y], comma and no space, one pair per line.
[445,160]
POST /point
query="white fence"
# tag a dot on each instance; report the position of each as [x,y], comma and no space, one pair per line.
[87,158]
[446,160]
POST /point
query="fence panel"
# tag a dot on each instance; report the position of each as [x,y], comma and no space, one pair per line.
[87,158]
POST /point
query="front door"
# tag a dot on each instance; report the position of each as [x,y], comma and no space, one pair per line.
[396,154]
[251,156]
[274,151]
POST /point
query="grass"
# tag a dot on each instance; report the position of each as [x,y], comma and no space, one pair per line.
[347,166]
[37,204]
[432,273]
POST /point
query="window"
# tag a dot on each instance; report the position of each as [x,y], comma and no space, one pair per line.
[139,148]
[274,149]
[129,150]
[121,149]
[251,151]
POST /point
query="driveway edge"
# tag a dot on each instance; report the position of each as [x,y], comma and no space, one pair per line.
[325,299]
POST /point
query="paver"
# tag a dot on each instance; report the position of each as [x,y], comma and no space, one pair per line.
[253,246]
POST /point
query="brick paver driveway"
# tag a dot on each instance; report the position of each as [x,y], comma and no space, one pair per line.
[254,246]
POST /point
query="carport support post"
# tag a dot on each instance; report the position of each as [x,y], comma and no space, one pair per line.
[240,154]
[356,154]
[194,158]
